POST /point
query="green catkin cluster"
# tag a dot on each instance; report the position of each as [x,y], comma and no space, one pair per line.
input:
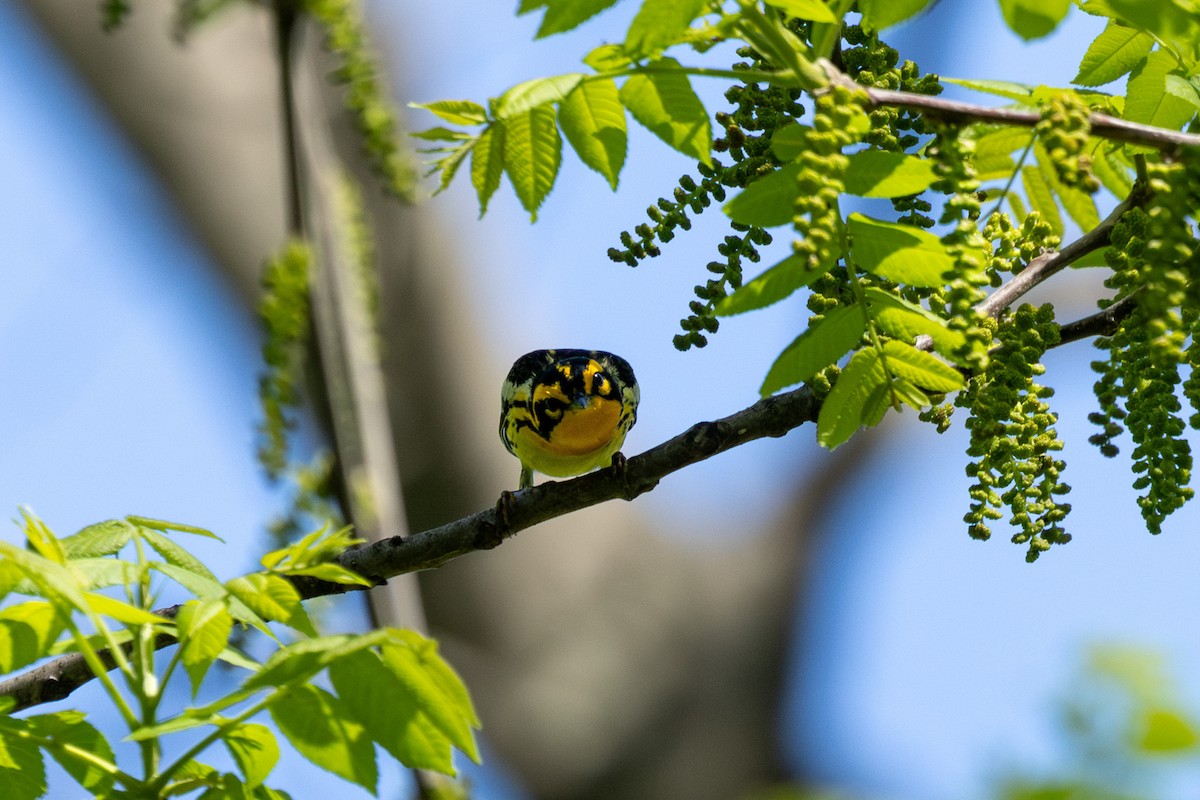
[1155,257]
[366,99]
[870,62]
[816,218]
[758,113]
[1063,129]
[1013,440]
[284,311]
[952,157]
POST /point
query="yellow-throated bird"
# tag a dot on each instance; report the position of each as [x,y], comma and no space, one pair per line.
[565,412]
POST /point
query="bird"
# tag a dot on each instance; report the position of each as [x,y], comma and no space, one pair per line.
[566,411]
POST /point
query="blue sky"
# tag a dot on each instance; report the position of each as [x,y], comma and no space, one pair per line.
[131,389]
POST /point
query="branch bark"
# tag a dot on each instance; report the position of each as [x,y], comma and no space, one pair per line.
[1102,125]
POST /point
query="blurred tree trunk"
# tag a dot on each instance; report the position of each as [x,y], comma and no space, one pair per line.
[607,661]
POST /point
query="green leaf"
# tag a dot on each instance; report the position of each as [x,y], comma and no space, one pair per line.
[662,100]
[442,134]
[1033,19]
[790,141]
[204,587]
[102,539]
[903,360]
[487,164]
[814,10]
[769,201]
[1157,95]
[908,394]
[1165,731]
[48,578]
[1013,91]
[420,671]
[660,24]
[880,14]
[176,555]
[903,320]
[334,573]
[317,725]
[1113,173]
[299,661]
[26,632]
[22,770]
[877,173]
[204,627]
[163,526]
[254,749]
[822,344]
[273,598]
[773,285]
[1116,51]
[1002,141]
[456,112]
[564,15]
[593,120]
[1041,198]
[1173,21]
[70,728]
[41,538]
[532,154]
[899,253]
[842,410]
[608,58]
[448,165]
[122,611]
[525,97]
[375,697]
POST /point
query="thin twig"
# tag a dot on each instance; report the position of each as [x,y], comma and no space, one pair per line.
[1102,125]
[1050,262]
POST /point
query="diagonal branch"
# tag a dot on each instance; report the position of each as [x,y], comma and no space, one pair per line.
[1102,125]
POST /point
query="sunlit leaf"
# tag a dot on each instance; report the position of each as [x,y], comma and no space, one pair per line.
[1115,52]
[880,14]
[900,253]
[487,164]
[1158,95]
[662,100]
[532,153]
[920,368]
[70,728]
[773,285]
[456,112]
[877,173]
[254,749]
[814,10]
[659,24]
[822,344]
[769,201]
[593,120]
[842,411]
[204,627]
[319,728]
[1033,19]
[526,96]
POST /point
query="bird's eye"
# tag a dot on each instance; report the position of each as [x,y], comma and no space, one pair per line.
[600,385]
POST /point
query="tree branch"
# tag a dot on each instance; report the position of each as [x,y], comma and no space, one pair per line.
[388,558]
[1052,261]
[1102,125]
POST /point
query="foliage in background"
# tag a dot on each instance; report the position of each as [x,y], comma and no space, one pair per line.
[1128,735]
[387,687]
[823,111]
